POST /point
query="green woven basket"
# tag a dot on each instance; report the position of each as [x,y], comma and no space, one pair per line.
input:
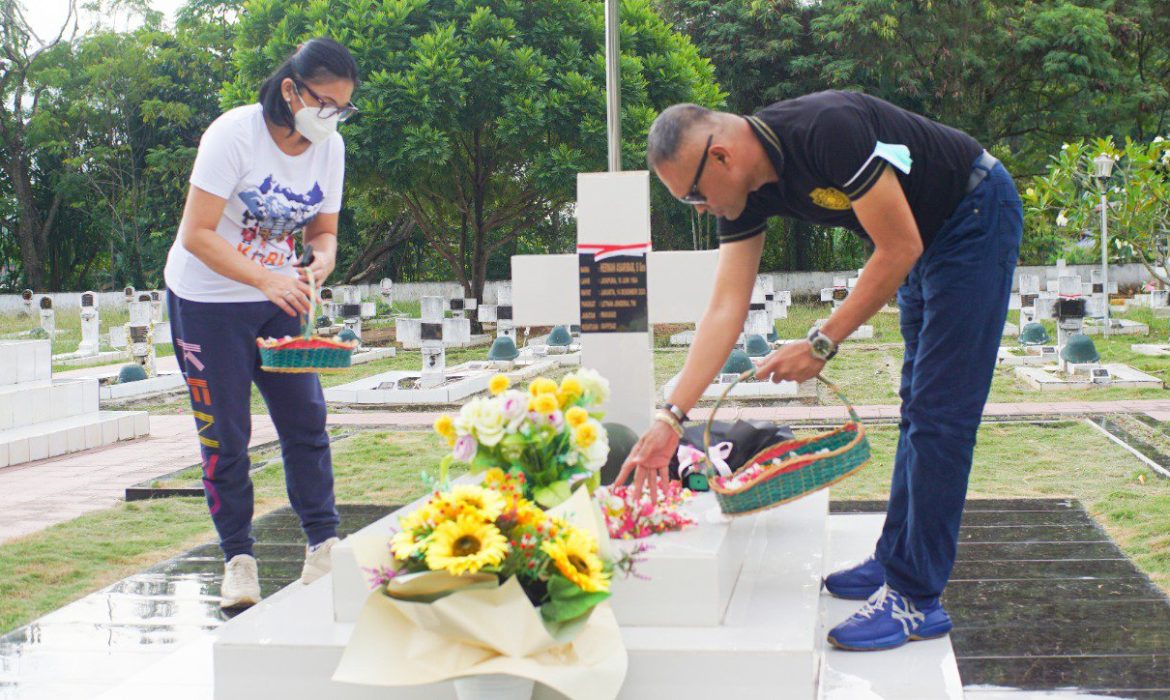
[308,352]
[795,468]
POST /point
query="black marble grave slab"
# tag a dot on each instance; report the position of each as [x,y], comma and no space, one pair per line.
[1043,599]
[106,635]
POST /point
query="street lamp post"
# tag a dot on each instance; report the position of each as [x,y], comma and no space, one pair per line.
[1102,169]
[613,84]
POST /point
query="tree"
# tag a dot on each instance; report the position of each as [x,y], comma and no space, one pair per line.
[1068,199]
[22,55]
[478,114]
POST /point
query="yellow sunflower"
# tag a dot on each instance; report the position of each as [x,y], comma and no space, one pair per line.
[404,544]
[465,545]
[475,500]
[575,556]
[528,514]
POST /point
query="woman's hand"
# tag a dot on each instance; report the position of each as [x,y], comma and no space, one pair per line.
[649,461]
[289,293]
[321,265]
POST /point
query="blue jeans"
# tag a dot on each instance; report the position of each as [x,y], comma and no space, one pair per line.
[215,345]
[953,307]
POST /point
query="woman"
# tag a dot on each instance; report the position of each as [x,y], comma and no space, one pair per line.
[264,173]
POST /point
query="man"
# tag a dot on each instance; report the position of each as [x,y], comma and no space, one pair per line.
[945,222]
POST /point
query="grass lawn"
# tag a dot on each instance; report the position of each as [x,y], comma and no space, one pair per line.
[68,334]
[45,570]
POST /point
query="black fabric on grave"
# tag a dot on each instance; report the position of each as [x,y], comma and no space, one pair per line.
[748,438]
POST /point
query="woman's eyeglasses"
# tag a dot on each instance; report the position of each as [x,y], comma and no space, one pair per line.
[328,110]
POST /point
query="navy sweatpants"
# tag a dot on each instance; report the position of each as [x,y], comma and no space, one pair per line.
[215,345]
[953,307]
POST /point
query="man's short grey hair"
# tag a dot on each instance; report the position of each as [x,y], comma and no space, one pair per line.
[670,130]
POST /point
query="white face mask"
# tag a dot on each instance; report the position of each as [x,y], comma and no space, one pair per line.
[312,126]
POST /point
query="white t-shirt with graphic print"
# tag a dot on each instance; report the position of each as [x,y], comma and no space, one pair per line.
[270,195]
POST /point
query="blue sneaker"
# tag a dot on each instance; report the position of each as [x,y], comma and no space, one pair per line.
[888,621]
[858,582]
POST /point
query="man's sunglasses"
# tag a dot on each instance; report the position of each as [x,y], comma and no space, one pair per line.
[694,196]
[327,110]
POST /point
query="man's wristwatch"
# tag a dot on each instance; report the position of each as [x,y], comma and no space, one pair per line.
[820,345]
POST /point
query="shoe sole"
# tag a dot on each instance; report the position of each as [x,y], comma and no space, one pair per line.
[912,638]
[238,603]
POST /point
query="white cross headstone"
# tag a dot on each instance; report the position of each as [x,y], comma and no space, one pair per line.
[434,357]
[140,333]
[780,303]
[90,325]
[758,322]
[328,308]
[129,293]
[48,316]
[615,288]
[386,289]
[156,305]
[505,323]
[26,298]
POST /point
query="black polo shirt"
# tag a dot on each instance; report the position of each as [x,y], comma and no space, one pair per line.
[829,149]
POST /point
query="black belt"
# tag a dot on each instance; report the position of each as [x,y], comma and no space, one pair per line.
[984,164]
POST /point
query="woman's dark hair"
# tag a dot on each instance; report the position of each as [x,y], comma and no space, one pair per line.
[317,60]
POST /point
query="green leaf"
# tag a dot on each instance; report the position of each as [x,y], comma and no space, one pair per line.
[567,601]
[553,494]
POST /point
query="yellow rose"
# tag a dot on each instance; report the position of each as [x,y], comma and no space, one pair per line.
[499,384]
[445,426]
[545,403]
[542,385]
[585,434]
[576,416]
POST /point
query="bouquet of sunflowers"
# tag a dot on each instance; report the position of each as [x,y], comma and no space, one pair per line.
[551,433]
[478,582]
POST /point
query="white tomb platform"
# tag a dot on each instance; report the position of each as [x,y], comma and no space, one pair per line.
[1151,350]
[751,389]
[1027,356]
[42,417]
[863,332]
[1117,326]
[768,567]
[297,641]
[1051,378]
[397,387]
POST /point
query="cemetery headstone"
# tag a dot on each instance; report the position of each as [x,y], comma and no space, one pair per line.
[90,325]
[48,316]
[26,298]
[434,354]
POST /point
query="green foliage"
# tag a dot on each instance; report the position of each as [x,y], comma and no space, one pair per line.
[478,115]
[1066,202]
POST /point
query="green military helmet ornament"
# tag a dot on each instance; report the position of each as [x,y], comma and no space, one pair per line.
[503,349]
[621,442]
[1034,334]
[347,335]
[756,346]
[738,362]
[131,373]
[559,337]
[1079,350]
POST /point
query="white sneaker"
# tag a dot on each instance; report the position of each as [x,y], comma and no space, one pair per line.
[241,583]
[318,562]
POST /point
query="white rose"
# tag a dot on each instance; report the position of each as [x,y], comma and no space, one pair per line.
[490,424]
[594,384]
[468,417]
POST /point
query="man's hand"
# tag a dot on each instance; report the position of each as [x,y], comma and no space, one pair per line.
[793,362]
[649,461]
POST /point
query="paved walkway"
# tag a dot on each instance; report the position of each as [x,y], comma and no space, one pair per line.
[35,495]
